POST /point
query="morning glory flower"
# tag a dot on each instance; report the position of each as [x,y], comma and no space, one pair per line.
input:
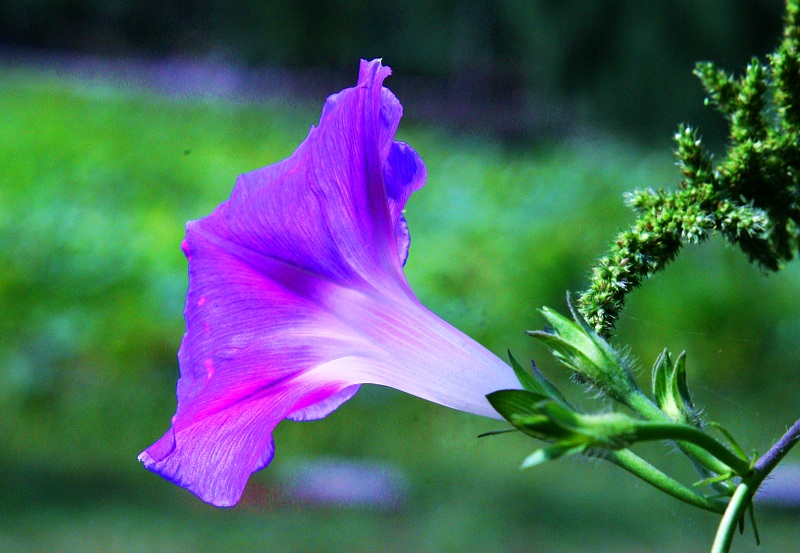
[297,296]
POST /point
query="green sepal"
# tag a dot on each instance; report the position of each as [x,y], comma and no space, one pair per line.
[590,357]
[562,416]
[728,436]
[542,427]
[564,351]
[714,480]
[548,386]
[574,334]
[511,403]
[581,322]
[527,381]
[671,391]
[550,453]
[752,512]
[556,423]
[536,382]
[550,422]
[538,415]
[681,389]
[661,371]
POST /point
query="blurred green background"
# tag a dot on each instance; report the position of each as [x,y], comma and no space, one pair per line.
[98,176]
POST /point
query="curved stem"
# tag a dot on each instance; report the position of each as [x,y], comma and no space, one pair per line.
[734,512]
[642,405]
[637,466]
[776,453]
[689,434]
[743,496]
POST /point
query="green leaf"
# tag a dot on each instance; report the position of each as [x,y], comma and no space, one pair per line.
[569,355]
[568,331]
[588,355]
[563,416]
[679,385]
[548,386]
[578,318]
[600,343]
[752,512]
[536,382]
[671,390]
[714,480]
[510,403]
[734,444]
[528,382]
[661,370]
[551,453]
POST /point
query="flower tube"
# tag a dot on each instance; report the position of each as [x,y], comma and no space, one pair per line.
[297,296]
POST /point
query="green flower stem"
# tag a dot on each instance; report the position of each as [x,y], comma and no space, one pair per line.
[637,466]
[727,526]
[642,405]
[679,432]
[742,497]
[704,459]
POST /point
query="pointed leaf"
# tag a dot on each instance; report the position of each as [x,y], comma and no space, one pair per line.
[661,370]
[587,354]
[679,381]
[510,403]
[753,522]
[542,427]
[578,318]
[548,386]
[528,382]
[570,356]
[562,416]
[728,436]
[714,480]
[567,330]
[551,453]
[601,343]
[496,432]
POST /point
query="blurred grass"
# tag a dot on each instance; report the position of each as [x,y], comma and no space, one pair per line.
[96,183]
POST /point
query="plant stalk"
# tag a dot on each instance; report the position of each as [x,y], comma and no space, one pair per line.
[626,459]
[642,405]
[743,496]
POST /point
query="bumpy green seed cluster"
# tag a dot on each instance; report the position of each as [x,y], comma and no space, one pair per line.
[751,197]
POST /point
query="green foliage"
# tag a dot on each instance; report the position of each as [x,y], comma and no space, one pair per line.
[543,413]
[538,383]
[671,391]
[101,180]
[591,358]
[751,196]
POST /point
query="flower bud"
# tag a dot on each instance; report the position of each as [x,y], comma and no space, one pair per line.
[590,357]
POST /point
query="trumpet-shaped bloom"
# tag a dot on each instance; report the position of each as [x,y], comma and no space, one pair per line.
[297,296]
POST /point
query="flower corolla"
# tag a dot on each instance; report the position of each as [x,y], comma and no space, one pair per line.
[297,296]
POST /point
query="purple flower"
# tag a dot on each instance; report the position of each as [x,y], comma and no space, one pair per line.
[297,295]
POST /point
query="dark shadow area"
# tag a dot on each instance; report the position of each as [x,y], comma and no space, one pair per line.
[514,69]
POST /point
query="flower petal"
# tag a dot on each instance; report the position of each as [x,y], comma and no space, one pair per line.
[297,296]
[323,408]
[305,211]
